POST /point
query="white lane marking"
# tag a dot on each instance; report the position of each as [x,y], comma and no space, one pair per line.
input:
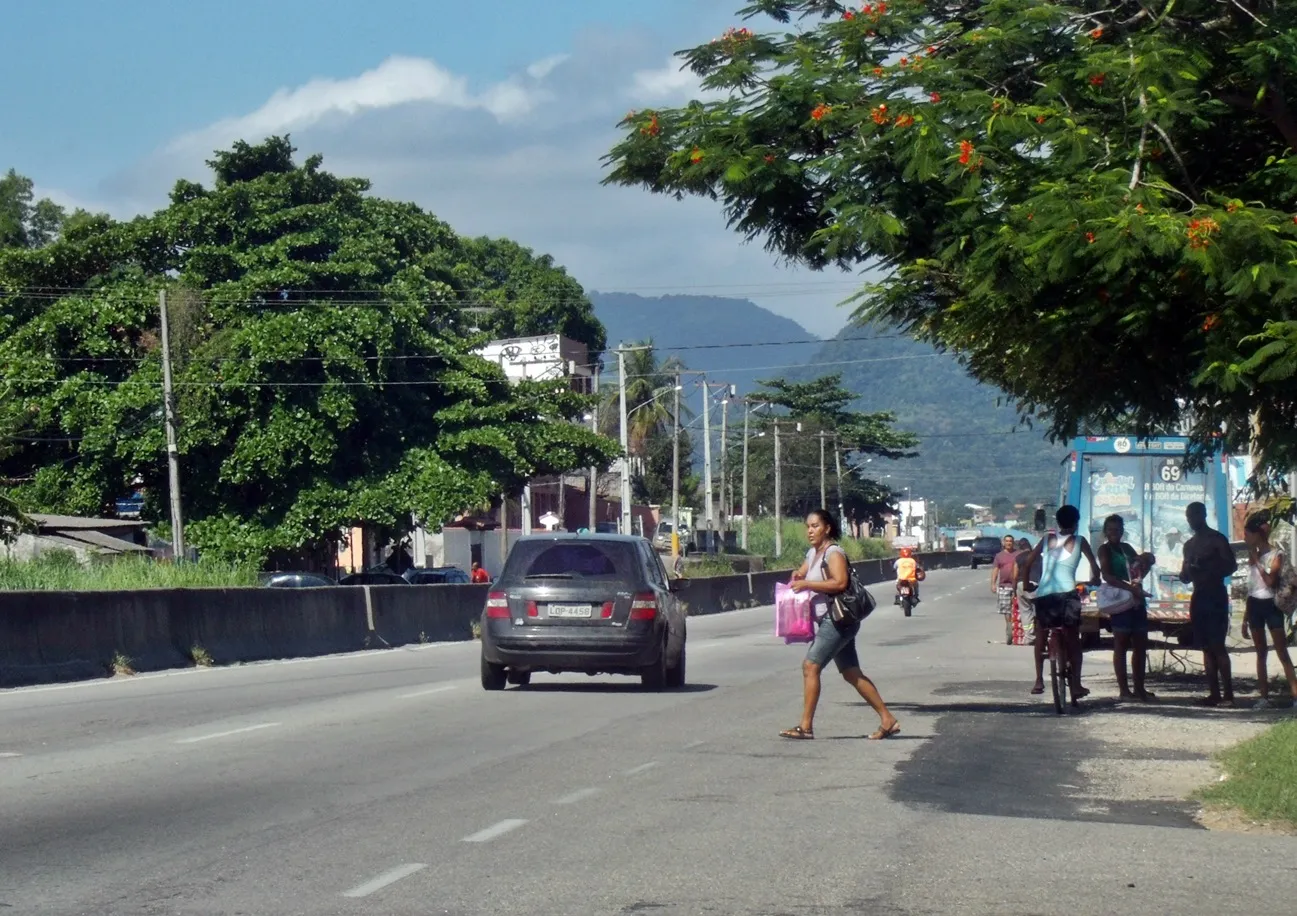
[578,795]
[10,754]
[233,731]
[495,830]
[383,880]
[642,768]
[427,693]
[690,747]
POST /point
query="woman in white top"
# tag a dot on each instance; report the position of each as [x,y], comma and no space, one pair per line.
[825,572]
[1264,564]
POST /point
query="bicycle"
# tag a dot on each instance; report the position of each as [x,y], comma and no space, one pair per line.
[1060,662]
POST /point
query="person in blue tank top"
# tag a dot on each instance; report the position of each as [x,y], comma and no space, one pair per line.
[1057,602]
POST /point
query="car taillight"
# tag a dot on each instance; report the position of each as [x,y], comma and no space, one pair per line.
[497,605]
[532,609]
[606,611]
[644,607]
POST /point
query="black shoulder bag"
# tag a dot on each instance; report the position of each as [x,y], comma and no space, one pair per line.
[852,605]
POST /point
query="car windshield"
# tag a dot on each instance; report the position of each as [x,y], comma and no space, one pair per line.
[570,560]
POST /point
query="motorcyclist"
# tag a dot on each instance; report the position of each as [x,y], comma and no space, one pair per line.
[907,571]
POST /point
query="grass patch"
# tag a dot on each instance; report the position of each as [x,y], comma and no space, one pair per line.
[1260,777]
[201,657]
[122,664]
[761,541]
[60,571]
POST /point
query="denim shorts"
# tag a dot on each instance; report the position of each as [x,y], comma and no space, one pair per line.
[1263,614]
[1059,610]
[1133,621]
[835,644]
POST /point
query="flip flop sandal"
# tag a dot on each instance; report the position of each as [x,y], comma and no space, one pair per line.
[884,733]
[1037,691]
[797,733]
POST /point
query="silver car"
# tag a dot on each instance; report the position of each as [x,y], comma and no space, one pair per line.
[592,603]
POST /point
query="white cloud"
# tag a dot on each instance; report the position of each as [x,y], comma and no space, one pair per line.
[522,159]
[396,82]
[543,68]
[674,83]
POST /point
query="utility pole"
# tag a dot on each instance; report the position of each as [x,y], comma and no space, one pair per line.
[837,464]
[173,451]
[594,471]
[744,510]
[675,474]
[824,496]
[625,444]
[708,513]
[725,450]
[1292,490]
[779,513]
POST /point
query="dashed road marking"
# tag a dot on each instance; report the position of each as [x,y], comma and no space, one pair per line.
[427,693]
[10,754]
[383,880]
[231,732]
[694,744]
[495,830]
[642,768]
[578,795]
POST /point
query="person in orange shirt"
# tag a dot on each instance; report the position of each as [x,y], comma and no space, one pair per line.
[479,575]
[907,570]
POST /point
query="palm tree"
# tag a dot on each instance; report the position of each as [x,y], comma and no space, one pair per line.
[649,405]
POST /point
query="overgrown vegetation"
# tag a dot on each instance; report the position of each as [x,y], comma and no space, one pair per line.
[1261,777]
[60,571]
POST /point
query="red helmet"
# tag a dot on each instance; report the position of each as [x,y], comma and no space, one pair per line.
[905,551]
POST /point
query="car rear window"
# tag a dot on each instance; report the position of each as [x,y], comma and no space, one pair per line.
[987,544]
[570,560]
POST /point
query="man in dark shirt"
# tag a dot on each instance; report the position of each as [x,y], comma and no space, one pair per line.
[1208,560]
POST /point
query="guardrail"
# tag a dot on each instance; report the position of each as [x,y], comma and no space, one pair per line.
[64,636]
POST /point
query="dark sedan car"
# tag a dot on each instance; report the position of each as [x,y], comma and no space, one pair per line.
[985,550]
[296,580]
[372,577]
[593,603]
[436,575]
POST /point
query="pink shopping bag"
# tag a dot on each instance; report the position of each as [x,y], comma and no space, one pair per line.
[793,618]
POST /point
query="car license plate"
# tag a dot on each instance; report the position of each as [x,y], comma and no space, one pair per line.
[569,610]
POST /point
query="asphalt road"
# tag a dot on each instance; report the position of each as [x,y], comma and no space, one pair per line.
[390,783]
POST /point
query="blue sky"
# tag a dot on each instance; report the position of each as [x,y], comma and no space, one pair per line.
[493,115]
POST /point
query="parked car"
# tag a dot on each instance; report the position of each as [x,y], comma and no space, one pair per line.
[436,575]
[592,603]
[985,550]
[296,580]
[372,577]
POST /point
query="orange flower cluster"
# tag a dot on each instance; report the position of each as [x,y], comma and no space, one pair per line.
[653,128]
[820,110]
[1201,231]
[1210,323]
[1098,79]
[1089,237]
[1096,34]
[935,97]
[965,152]
[734,37]
[879,114]
[904,120]
[696,156]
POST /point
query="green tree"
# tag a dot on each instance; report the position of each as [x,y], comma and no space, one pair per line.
[24,221]
[1090,202]
[325,372]
[819,406]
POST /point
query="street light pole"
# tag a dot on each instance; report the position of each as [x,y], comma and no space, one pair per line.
[837,463]
[708,515]
[173,450]
[725,450]
[594,471]
[675,474]
[625,444]
[746,414]
[779,513]
[824,497]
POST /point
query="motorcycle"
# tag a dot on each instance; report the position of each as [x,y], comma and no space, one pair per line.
[906,593]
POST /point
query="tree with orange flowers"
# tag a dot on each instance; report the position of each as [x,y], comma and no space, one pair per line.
[1091,203]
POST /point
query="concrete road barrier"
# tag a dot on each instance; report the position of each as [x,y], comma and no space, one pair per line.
[63,636]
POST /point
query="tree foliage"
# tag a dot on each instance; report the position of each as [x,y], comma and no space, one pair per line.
[1090,201]
[325,374]
[818,406]
[26,222]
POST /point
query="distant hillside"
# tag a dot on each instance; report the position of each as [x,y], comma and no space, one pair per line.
[970,451]
[690,326]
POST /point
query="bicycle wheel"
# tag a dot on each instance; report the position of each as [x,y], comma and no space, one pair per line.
[1056,681]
